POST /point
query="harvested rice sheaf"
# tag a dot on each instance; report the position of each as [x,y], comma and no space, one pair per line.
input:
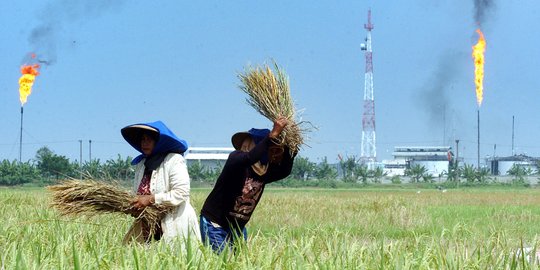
[269,94]
[89,198]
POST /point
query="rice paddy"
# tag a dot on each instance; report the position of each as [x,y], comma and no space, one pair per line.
[477,228]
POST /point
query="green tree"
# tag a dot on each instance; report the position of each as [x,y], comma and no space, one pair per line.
[453,174]
[200,172]
[416,172]
[119,169]
[427,178]
[15,173]
[395,179]
[349,169]
[519,173]
[302,168]
[94,170]
[196,171]
[483,175]
[469,173]
[453,171]
[377,174]
[324,171]
[212,174]
[52,165]
[362,173]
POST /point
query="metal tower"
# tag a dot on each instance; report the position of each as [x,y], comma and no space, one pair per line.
[368,151]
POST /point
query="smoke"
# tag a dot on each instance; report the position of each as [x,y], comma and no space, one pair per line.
[45,38]
[42,38]
[481,8]
[434,97]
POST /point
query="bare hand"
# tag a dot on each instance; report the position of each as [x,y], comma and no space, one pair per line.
[142,201]
[279,124]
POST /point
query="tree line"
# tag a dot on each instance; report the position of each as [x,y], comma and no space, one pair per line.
[48,168]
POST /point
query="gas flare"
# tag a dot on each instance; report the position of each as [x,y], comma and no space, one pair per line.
[478,56]
[29,73]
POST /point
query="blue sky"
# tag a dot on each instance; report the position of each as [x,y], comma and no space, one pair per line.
[124,62]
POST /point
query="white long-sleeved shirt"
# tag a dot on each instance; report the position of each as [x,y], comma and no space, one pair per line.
[170,185]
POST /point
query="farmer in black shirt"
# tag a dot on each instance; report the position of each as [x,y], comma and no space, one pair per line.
[256,162]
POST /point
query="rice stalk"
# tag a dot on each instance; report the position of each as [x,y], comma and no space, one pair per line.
[90,198]
[269,94]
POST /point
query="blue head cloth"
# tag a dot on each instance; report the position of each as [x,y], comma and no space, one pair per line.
[256,134]
[166,141]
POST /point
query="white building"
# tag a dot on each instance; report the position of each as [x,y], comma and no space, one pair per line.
[501,165]
[210,157]
[435,159]
[394,167]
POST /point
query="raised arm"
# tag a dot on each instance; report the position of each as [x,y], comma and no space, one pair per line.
[278,171]
[240,158]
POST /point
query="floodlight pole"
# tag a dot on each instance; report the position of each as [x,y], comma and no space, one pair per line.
[90,150]
[457,162]
[513,152]
[80,157]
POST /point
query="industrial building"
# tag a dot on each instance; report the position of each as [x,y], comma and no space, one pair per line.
[210,157]
[435,159]
[501,165]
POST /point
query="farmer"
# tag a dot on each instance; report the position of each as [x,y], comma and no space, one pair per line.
[256,161]
[161,178]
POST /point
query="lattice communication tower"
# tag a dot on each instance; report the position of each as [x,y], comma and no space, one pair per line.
[368,150]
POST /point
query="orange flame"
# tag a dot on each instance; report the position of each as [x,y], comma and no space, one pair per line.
[478,55]
[27,81]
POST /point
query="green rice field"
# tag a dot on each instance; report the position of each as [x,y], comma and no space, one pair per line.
[376,228]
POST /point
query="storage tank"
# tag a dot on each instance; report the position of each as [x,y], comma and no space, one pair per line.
[501,165]
[433,167]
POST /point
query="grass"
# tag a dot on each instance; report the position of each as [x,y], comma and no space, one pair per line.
[295,229]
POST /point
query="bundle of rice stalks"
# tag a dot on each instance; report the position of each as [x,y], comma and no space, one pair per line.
[269,95]
[89,198]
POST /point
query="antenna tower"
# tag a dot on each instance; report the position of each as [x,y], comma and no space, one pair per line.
[368,151]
